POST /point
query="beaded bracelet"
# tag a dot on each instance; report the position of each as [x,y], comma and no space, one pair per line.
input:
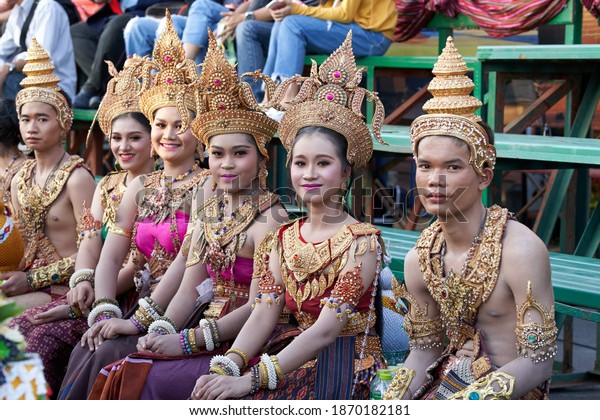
[239,353]
[145,306]
[184,341]
[255,384]
[149,302]
[84,274]
[208,341]
[137,324]
[105,300]
[214,328]
[108,309]
[226,364]
[74,312]
[272,381]
[163,325]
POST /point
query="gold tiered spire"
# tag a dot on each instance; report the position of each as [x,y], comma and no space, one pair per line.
[41,85]
[330,97]
[451,111]
[175,82]
[227,105]
[122,92]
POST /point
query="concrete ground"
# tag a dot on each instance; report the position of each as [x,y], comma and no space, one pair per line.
[584,355]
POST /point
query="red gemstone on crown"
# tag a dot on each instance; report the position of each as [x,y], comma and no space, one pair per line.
[169,80]
[167,58]
[329,96]
[217,82]
[337,74]
[221,107]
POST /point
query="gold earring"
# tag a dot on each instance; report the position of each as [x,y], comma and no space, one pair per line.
[262,175]
[343,193]
[298,202]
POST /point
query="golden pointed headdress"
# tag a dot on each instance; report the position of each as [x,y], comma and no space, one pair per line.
[227,105]
[331,98]
[174,84]
[41,85]
[451,111]
[122,92]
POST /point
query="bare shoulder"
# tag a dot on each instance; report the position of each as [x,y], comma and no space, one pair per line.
[81,177]
[412,273]
[522,246]
[269,221]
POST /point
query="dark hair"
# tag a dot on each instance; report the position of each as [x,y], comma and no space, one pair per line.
[488,130]
[9,123]
[137,116]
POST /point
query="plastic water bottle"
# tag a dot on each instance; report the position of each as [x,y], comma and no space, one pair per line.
[380,383]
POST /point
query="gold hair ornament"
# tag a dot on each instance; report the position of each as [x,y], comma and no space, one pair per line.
[41,85]
[451,111]
[175,82]
[227,105]
[330,98]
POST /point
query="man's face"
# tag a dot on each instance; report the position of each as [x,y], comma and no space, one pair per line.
[39,126]
[446,182]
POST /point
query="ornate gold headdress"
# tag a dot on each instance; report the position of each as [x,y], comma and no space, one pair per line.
[175,81]
[227,105]
[451,111]
[331,98]
[41,85]
[122,92]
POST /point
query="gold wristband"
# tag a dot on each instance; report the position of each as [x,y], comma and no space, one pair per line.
[400,384]
[113,228]
[55,273]
[493,386]
[239,353]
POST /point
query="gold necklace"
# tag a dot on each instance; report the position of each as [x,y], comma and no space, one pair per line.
[51,175]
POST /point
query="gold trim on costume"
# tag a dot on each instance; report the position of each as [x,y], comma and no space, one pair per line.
[451,111]
[55,273]
[34,202]
[494,386]
[330,97]
[534,340]
[424,333]
[459,298]
[41,85]
[113,228]
[400,384]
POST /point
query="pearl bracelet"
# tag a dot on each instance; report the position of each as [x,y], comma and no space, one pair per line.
[84,272]
[104,308]
[270,370]
[208,341]
[226,363]
[162,326]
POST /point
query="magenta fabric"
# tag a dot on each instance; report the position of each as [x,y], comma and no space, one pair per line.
[242,271]
[148,232]
[499,18]
[593,6]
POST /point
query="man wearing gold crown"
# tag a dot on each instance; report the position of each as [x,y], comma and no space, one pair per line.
[49,191]
[477,281]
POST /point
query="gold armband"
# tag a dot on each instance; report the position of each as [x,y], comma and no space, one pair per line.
[55,273]
[113,228]
[534,340]
[88,227]
[493,386]
[400,384]
[347,289]
[423,333]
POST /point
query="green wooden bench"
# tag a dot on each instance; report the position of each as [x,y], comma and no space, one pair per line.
[92,152]
[575,279]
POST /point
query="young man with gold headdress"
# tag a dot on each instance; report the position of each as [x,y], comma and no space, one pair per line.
[49,191]
[477,282]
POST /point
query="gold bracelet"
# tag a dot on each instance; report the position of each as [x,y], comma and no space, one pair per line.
[493,386]
[400,384]
[218,371]
[264,375]
[278,370]
[55,273]
[113,228]
[239,353]
[192,340]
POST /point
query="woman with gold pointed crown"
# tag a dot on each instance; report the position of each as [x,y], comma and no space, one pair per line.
[152,219]
[471,268]
[11,157]
[45,327]
[324,267]
[224,239]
